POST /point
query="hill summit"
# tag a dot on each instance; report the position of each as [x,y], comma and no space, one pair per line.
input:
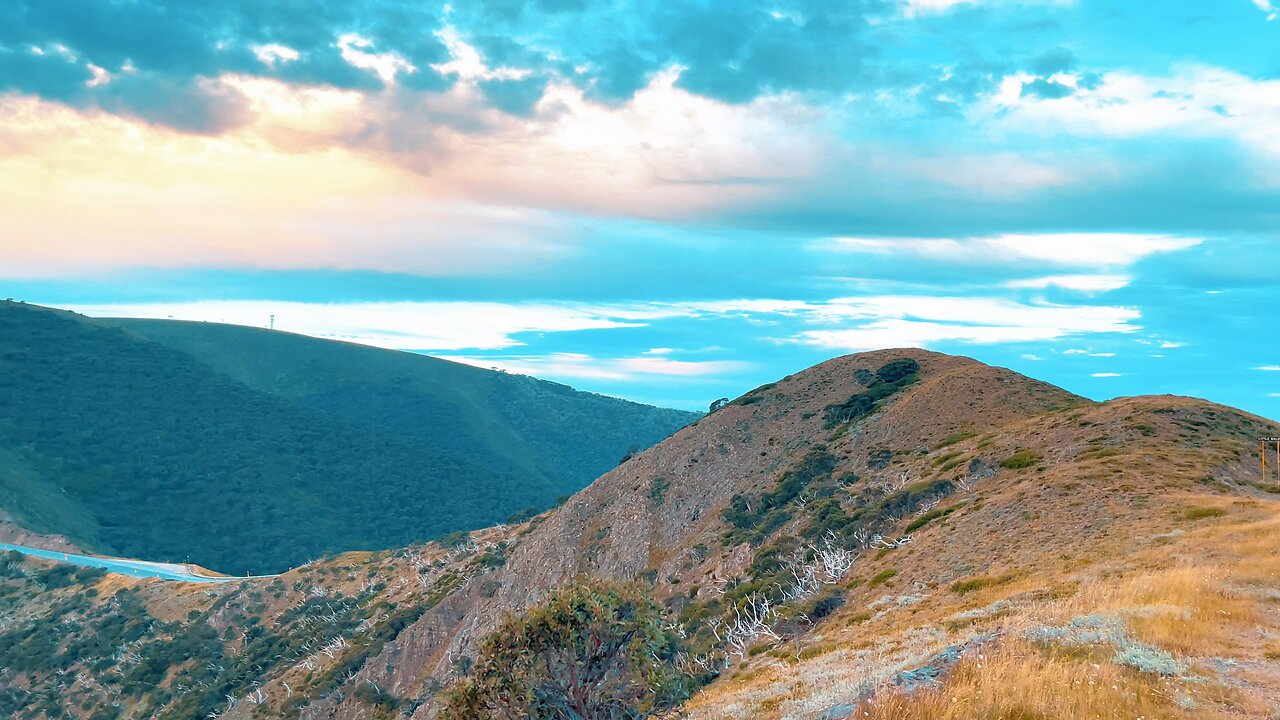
[897,534]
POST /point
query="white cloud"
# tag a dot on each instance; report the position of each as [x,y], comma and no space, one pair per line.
[921,321]
[851,323]
[579,365]
[400,325]
[1168,345]
[1106,375]
[1269,368]
[355,50]
[913,8]
[467,63]
[273,54]
[1197,101]
[1033,358]
[1082,283]
[923,7]
[1095,250]
[1270,8]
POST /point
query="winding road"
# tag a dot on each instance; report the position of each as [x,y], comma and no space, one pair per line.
[133,568]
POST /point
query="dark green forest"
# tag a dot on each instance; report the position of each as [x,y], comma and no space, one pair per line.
[247,450]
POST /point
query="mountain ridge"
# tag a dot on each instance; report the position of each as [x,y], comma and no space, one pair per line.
[987,516]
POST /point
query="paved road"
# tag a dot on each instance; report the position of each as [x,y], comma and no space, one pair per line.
[132,568]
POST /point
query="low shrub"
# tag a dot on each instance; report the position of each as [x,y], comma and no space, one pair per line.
[1021,460]
[881,577]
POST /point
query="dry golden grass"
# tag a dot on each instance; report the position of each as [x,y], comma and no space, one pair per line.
[1185,610]
[1022,682]
[1208,595]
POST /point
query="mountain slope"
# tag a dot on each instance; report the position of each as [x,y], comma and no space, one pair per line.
[544,429]
[250,450]
[1013,551]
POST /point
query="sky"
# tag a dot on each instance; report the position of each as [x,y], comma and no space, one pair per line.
[668,202]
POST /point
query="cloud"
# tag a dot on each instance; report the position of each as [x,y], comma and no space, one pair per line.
[400,325]
[921,321]
[581,365]
[914,8]
[1106,375]
[1082,283]
[151,196]
[1269,7]
[1269,368]
[1046,89]
[854,323]
[921,7]
[1194,102]
[163,61]
[730,52]
[1090,250]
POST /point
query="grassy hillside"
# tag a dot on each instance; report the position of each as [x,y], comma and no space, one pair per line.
[253,451]
[897,534]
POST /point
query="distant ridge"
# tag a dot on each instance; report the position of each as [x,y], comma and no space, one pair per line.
[253,450]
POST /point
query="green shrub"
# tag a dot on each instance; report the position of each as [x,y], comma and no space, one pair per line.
[592,650]
[889,379]
[658,490]
[929,517]
[881,578]
[1021,460]
[954,438]
[454,539]
[754,518]
[825,602]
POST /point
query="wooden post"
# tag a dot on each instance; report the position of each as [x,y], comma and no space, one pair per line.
[1266,474]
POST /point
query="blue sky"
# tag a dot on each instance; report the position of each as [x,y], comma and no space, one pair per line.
[666,202]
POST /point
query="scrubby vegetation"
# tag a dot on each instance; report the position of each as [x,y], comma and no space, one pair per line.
[889,379]
[84,649]
[754,518]
[1021,460]
[592,650]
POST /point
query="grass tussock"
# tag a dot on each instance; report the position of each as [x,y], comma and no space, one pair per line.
[1021,460]
[1201,513]
[974,584]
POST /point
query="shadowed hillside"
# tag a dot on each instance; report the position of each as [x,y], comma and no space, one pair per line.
[252,450]
[892,534]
